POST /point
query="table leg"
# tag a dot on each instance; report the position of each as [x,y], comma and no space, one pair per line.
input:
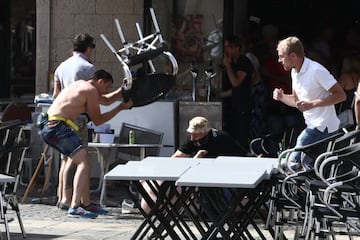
[142,153]
[160,219]
[103,193]
[233,212]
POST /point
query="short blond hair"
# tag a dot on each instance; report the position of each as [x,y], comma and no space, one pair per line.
[292,44]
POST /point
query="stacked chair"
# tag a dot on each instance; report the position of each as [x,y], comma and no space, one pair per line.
[303,199]
[333,206]
[13,147]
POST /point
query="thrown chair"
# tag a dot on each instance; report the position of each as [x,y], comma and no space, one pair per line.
[156,76]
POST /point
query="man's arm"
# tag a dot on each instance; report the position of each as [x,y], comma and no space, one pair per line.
[288,99]
[93,108]
[236,78]
[179,153]
[57,88]
[110,98]
[337,95]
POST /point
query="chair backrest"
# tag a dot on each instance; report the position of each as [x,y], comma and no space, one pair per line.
[16,111]
[347,158]
[346,139]
[142,136]
[13,153]
[15,164]
[313,150]
[11,136]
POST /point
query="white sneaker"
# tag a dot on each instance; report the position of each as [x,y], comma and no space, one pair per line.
[128,206]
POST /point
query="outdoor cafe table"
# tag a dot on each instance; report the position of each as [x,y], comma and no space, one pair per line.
[232,190]
[106,154]
[162,218]
[243,178]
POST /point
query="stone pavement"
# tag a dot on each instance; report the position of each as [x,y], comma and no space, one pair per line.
[42,220]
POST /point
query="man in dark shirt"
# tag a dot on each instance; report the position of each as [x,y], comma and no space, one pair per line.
[204,142]
[238,76]
[213,142]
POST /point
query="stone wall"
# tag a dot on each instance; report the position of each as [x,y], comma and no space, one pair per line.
[58,21]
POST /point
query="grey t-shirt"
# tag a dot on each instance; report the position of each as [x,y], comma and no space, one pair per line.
[76,67]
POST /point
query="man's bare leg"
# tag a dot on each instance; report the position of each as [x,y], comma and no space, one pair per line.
[85,197]
[68,176]
[81,159]
[60,182]
[152,195]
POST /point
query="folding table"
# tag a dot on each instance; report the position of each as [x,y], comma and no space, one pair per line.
[232,190]
[164,217]
[106,153]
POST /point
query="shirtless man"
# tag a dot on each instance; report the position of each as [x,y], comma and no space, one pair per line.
[57,128]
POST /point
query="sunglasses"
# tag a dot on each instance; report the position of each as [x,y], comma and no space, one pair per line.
[92,45]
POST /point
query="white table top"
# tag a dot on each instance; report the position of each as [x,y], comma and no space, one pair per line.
[6,179]
[228,172]
[270,165]
[121,145]
[236,172]
[151,168]
[168,160]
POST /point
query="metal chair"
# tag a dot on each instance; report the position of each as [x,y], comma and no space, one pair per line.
[12,162]
[159,67]
[289,195]
[123,155]
[142,136]
[336,201]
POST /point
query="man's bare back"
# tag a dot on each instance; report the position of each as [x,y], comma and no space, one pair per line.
[72,101]
[85,96]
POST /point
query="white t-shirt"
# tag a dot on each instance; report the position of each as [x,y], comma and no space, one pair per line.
[313,81]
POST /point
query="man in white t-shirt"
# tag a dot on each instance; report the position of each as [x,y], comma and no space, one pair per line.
[314,92]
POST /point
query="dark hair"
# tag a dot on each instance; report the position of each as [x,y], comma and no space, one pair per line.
[102,74]
[82,41]
[236,40]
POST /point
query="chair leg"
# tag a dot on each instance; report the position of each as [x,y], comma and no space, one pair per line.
[4,216]
[15,206]
[6,226]
[271,208]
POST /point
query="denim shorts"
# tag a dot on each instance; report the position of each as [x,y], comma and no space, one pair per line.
[81,122]
[61,137]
